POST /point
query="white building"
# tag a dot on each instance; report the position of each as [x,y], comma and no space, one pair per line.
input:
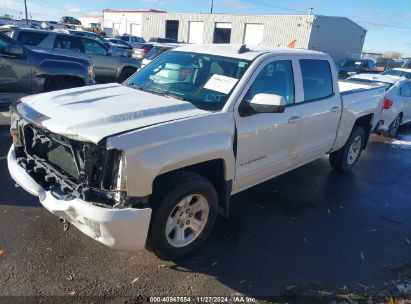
[338,36]
[87,20]
[117,22]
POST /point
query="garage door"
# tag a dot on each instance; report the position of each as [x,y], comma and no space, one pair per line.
[253,33]
[135,29]
[195,32]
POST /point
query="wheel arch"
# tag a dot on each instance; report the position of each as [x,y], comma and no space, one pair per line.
[214,170]
[41,82]
[124,67]
[365,122]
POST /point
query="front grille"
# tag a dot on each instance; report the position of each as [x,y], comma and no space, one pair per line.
[67,167]
[55,151]
[62,157]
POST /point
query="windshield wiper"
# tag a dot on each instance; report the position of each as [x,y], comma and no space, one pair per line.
[164,94]
[134,86]
[160,93]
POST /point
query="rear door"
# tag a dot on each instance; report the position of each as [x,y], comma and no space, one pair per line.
[321,109]
[105,66]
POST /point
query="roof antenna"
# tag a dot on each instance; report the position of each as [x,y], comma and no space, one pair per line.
[243,48]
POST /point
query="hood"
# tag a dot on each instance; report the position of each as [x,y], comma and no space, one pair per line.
[95,112]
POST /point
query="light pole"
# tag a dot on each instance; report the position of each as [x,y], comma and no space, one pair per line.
[211,10]
[25,7]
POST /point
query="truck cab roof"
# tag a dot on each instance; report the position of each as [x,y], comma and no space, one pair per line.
[242,51]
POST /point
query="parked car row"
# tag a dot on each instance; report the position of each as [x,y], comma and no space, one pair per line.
[25,71]
[107,68]
[351,66]
[141,48]
[38,60]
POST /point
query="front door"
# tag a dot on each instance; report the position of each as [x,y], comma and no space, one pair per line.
[267,143]
[15,75]
[105,65]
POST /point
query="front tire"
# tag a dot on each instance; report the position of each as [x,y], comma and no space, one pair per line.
[346,158]
[184,216]
[126,73]
[393,128]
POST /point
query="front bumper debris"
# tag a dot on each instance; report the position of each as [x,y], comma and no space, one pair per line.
[116,228]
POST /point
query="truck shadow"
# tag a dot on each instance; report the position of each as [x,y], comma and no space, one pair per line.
[314,230]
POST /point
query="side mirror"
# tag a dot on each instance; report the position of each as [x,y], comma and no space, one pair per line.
[109,52]
[14,50]
[267,103]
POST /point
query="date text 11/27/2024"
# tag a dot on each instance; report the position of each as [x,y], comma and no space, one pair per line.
[201,299]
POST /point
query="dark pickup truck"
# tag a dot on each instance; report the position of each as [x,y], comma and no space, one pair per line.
[24,71]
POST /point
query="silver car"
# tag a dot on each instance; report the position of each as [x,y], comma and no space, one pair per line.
[115,49]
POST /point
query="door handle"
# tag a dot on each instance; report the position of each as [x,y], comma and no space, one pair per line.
[294,119]
[335,109]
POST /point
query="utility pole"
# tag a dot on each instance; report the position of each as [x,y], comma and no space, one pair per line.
[25,7]
[211,10]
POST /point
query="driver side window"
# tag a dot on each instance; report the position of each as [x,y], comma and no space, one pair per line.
[275,78]
[94,48]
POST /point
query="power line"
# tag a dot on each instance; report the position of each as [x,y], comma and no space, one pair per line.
[384,25]
[53,5]
[275,6]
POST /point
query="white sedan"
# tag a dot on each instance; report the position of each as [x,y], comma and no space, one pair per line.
[397,102]
[406,73]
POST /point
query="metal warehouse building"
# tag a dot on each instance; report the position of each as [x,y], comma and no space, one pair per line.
[338,36]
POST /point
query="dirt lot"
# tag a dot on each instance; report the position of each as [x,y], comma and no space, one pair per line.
[309,232]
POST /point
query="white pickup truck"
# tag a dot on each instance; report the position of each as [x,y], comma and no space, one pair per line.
[157,158]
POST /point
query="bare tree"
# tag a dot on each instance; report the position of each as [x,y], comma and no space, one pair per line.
[392,54]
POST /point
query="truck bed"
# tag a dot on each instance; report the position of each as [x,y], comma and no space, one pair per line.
[349,87]
[358,100]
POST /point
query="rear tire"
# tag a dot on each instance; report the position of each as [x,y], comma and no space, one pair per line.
[126,73]
[175,230]
[393,128]
[346,158]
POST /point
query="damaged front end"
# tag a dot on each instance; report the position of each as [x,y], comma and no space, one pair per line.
[68,168]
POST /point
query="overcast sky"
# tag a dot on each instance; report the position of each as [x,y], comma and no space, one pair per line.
[388,22]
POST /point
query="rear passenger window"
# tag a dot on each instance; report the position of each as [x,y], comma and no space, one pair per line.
[317,79]
[70,43]
[275,78]
[405,90]
[31,38]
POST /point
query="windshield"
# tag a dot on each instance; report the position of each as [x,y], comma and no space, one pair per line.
[349,64]
[201,79]
[397,73]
